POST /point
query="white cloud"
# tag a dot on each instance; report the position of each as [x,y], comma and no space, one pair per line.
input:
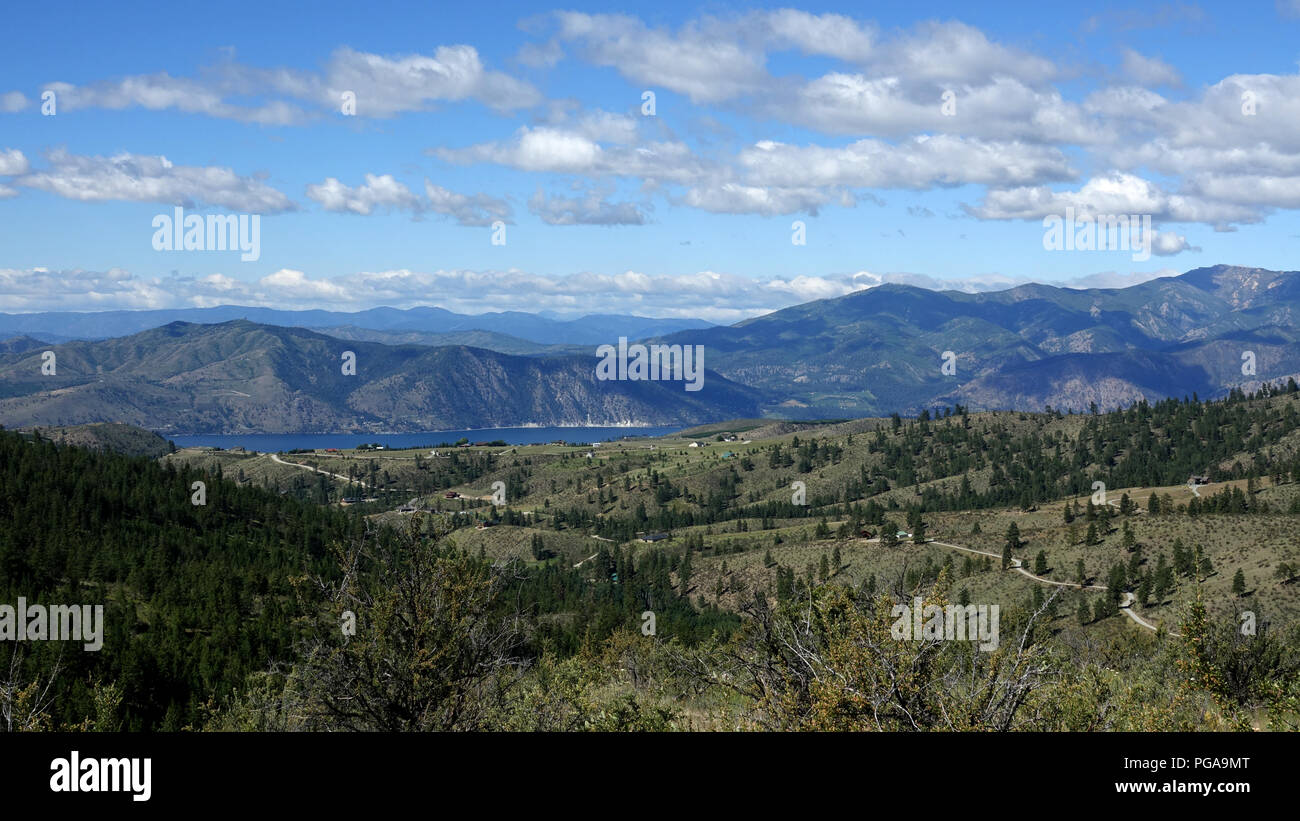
[12,162]
[382,192]
[1114,279]
[1256,191]
[590,209]
[1114,193]
[468,210]
[161,91]
[1168,243]
[952,51]
[12,101]
[289,284]
[142,178]
[383,87]
[389,85]
[541,55]
[702,60]
[713,295]
[916,163]
[893,105]
[707,294]
[573,151]
[734,198]
[1149,71]
[43,289]
[832,35]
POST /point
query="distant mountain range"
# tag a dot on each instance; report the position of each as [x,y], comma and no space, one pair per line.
[491,340]
[881,350]
[242,377]
[593,329]
[871,352]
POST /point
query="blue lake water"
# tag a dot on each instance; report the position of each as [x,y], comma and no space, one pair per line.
[271,442]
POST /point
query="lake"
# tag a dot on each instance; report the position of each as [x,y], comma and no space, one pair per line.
[272,442]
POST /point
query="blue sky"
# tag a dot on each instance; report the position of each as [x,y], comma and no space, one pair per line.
[764,115]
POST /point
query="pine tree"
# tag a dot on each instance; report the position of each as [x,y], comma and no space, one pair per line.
[1013,544]
[1184,559]
[1083,614]
[1091,538]
[1144,590]
[1164,578]
[1239,582]
[1135,563]
[1080,574]
[684,573]
[1040,563]
[1207,566]
[1099,609]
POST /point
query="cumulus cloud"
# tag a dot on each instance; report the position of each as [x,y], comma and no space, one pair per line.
[143,178]
[12,162]
[590,209]
[702,60]
[161,91]
[383,86]
[735,198]
[916,163]
[1116,193]
[956,52]
[468,210]
[1169,243]
[381,192]
[1149,71]
[831,35]
[1224,154]
[575,151]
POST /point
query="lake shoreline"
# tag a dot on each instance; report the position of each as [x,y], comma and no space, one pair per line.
[512,436]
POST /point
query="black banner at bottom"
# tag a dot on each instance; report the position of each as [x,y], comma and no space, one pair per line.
[142,773]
